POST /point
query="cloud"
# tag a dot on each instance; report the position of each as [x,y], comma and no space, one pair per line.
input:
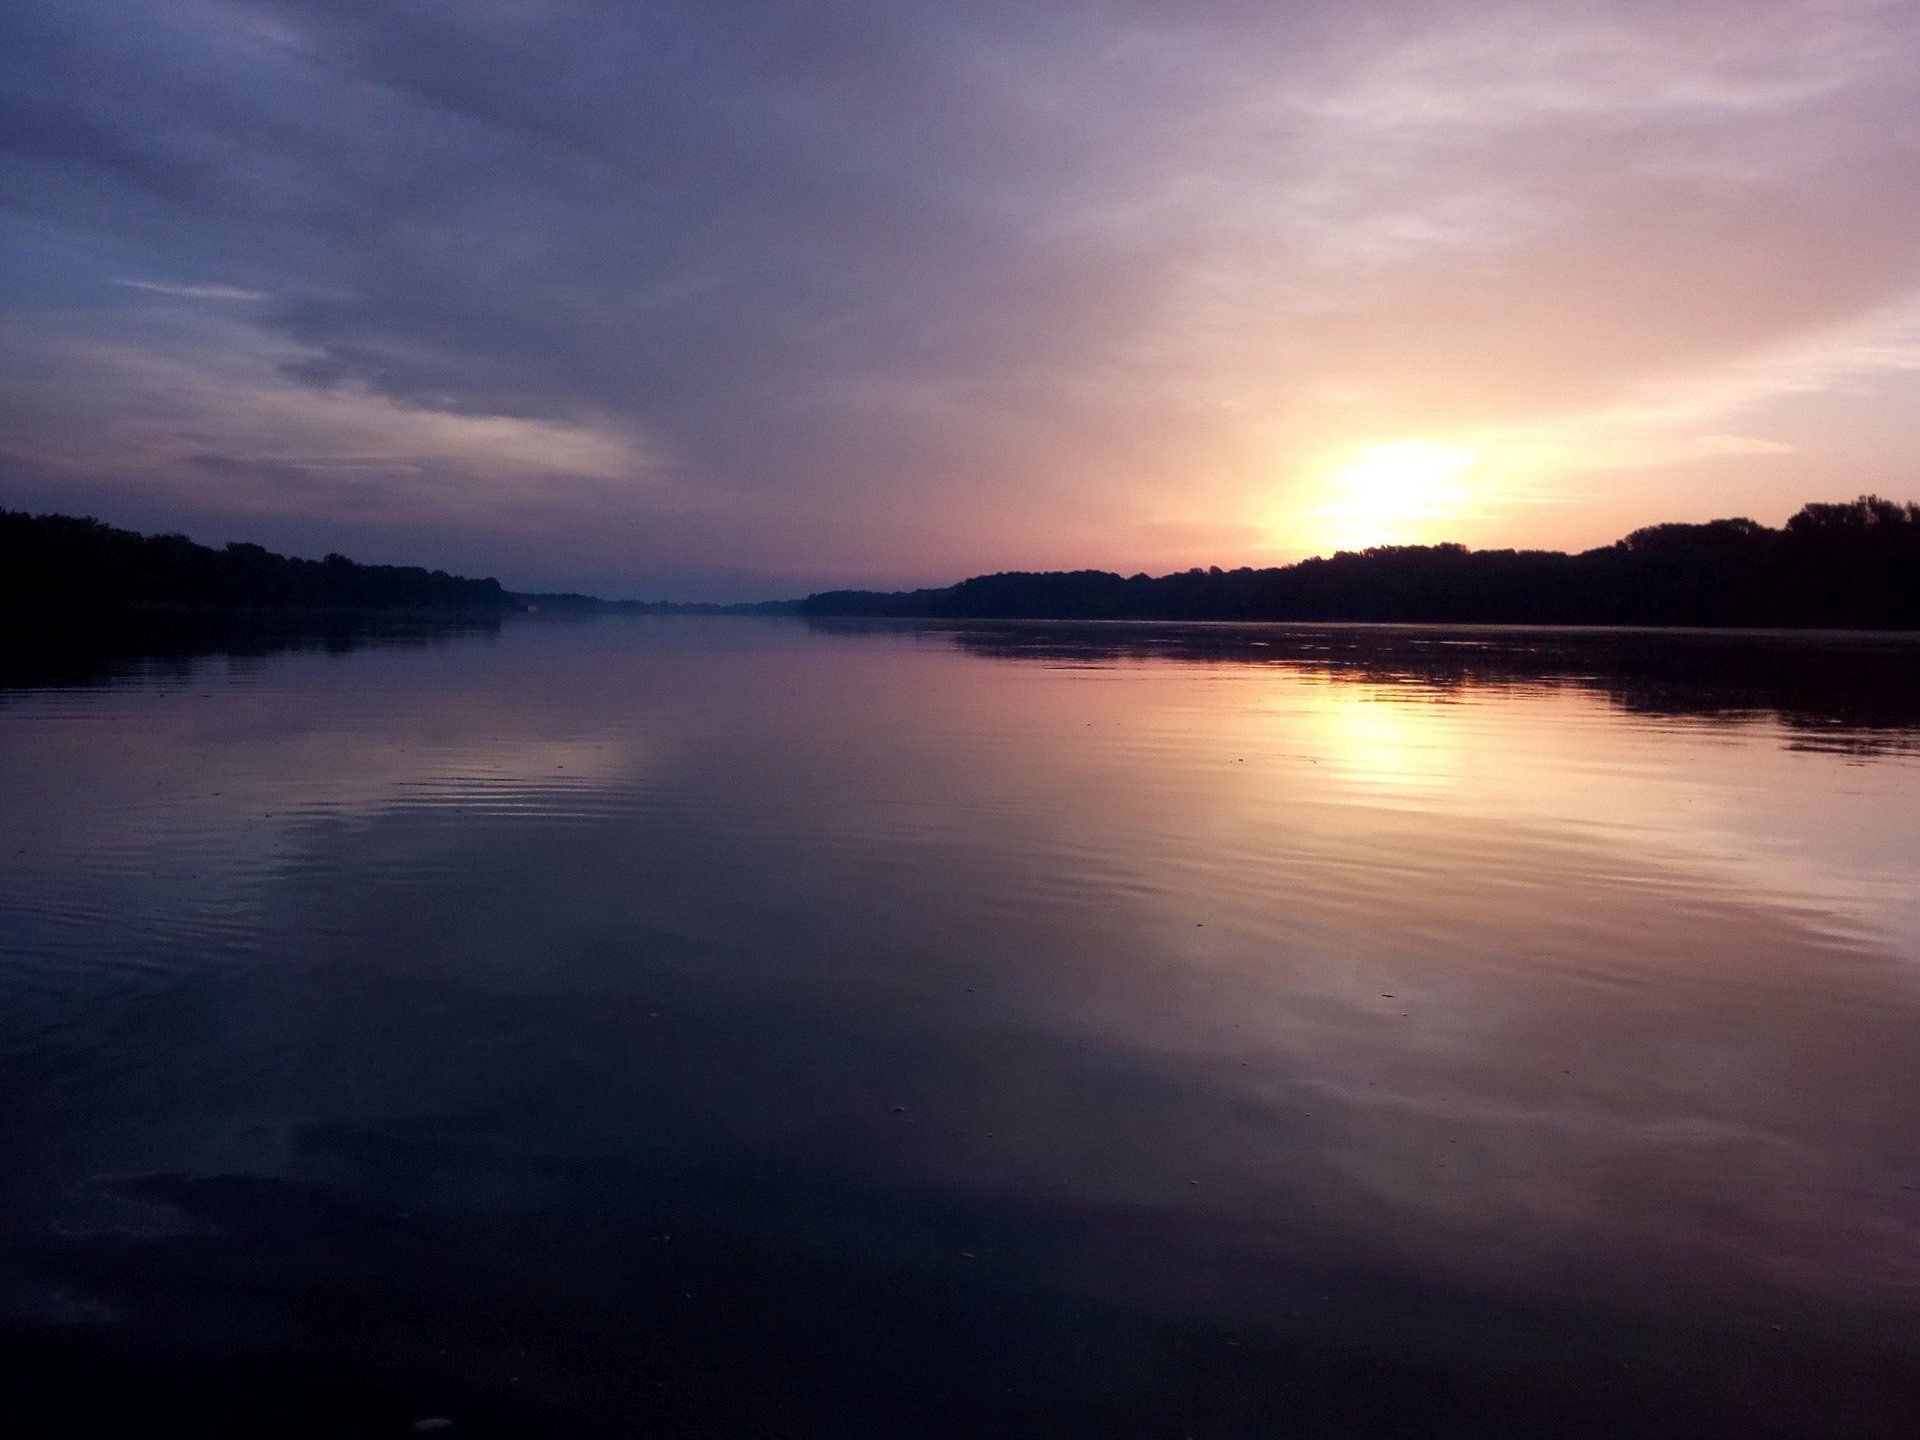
[897,292]
[194,292]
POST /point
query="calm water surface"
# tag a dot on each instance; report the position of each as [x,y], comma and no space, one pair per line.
[712,1028]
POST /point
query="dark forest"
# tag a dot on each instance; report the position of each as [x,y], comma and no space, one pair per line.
[1849,565]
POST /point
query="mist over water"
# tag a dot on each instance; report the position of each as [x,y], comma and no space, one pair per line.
[745,1028]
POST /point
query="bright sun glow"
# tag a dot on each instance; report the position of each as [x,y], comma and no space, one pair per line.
[1395,492]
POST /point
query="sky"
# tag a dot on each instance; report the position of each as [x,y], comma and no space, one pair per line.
[741,298]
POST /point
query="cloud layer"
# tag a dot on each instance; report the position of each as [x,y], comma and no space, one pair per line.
[726,297]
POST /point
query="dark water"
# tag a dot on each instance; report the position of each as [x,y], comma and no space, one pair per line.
[720,1028]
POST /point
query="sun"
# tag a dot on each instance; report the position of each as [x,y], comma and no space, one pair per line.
[1394,492]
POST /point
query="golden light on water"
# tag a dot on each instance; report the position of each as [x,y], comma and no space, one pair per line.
[1394,492]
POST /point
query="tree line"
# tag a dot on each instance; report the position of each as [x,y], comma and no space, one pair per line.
[1852,564]
[80,563]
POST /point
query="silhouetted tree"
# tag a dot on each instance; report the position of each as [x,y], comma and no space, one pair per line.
[62,560]
[1854,565]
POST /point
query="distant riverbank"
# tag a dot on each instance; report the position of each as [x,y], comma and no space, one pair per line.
[1847,566]
[1853,565]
